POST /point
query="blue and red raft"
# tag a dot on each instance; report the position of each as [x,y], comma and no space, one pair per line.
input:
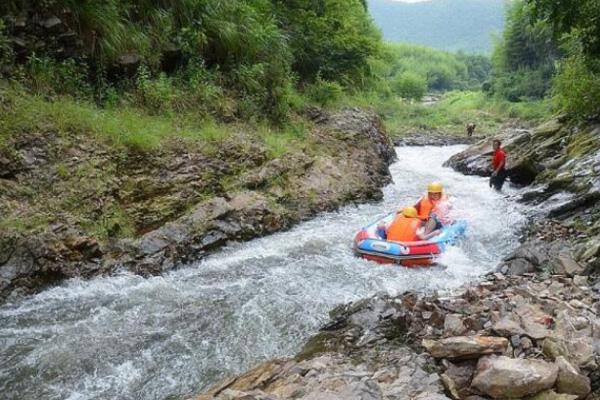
[368,244]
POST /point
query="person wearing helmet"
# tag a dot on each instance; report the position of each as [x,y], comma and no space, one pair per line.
[432,201]
[405,225]
[433,208]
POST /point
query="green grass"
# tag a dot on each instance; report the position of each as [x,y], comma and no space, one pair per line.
[127,127]
[284,140]
[450,115]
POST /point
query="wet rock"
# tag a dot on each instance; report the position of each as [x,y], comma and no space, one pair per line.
[527,258]
[429,139]
[570,381]
[503,377]
[173,199]
[462,347]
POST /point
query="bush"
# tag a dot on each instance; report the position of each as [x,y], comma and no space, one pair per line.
[325,92]
[410,85]
[46,76]
[524,57]
[576,88]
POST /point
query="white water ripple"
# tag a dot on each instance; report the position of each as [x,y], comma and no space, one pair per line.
[128,337]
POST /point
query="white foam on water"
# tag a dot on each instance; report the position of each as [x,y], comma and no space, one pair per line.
[129,337]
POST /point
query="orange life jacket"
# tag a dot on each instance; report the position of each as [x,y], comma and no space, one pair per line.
[403,229]
[425,205]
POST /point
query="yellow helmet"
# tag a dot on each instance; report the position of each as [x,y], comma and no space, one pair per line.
[410,212]
[435,187]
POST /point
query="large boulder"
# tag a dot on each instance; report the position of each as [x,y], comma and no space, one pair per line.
[508,378]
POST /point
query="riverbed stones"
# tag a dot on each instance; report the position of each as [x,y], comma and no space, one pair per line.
[566,265]
[570,381]
[552,395]
[462,347]
[501,377]
[507,327]
[453,325]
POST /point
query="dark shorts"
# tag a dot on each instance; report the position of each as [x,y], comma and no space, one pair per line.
[498,181]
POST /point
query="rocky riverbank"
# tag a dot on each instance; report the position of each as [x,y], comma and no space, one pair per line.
[81,209]
[560,165]
[506,337]
[529,330]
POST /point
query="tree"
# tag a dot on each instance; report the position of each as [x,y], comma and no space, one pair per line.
[333,39]
[577,17]
[410,85]
[523,61]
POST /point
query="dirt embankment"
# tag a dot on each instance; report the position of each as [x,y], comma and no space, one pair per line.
[75,207]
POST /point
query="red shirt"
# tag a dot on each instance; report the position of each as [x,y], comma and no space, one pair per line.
[498,158]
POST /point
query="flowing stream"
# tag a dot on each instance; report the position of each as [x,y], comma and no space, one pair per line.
[127,337]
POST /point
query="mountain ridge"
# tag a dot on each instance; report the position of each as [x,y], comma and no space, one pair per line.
[451,25]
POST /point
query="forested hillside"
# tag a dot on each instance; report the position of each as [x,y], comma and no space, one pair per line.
[240,59]
[550,50]
[443,24]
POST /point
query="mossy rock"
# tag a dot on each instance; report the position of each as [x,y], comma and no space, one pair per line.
[324,342]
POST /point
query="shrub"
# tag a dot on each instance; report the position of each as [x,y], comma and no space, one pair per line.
[46,76]
[410,85]
[576,88]
[325,92]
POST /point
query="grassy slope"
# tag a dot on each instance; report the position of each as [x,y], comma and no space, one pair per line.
[68,190]
[82,151]
[452,113]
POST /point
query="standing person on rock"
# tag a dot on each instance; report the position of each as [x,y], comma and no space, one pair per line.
[498,166]
[470,129]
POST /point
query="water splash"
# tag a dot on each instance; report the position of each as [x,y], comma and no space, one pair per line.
[129,337]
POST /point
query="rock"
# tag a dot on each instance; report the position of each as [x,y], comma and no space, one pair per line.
[453,325]
[580,281]
[507,327]
[526,343]
[457,378]
[173,198]
[552,395]
[570,381]
[566,265]
[534,321]
[462,347]
[51,22]
[503,377]
[129,59]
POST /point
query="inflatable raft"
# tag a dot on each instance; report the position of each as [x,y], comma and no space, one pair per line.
[369,245]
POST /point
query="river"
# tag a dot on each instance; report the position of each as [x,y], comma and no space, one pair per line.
[128,337]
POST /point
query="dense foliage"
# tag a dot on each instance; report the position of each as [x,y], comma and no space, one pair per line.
[414,70]
[576,25]
[524,57]
[550,47]
[228,58]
